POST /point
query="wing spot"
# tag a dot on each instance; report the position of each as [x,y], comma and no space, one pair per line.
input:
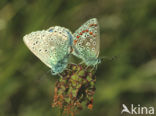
[87,48]
[78,36]
[79,44]
[83,31]
[75,41]
[91,25]
[62,43]
[95,24]
[91,33]
[93,49]
[87,44]
[91,40]
[94,43]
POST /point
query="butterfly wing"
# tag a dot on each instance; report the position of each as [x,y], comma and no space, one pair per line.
[51,46]
[86,42]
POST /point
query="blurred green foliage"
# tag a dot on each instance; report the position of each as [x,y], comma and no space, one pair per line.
[128,30]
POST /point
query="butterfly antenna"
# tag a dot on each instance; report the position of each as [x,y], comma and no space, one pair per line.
[86,67]
[60,75]
[105,58]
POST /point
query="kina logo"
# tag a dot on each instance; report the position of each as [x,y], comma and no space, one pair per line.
[137,109]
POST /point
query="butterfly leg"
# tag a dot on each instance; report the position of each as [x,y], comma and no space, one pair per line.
[94,68]
[60,75]
[68,69]
[70,66]
[86,67]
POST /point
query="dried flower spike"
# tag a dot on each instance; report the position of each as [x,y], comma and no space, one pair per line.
[74,87]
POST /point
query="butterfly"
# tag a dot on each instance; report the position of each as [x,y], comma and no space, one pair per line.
[86,42]
[54,45]
[51,46]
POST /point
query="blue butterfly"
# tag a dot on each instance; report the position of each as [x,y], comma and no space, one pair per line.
[86,42]
[51,46]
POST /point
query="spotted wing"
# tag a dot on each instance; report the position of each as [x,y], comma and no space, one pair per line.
[51,46]
[86,42]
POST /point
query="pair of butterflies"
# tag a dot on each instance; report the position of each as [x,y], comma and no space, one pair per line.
[54,45]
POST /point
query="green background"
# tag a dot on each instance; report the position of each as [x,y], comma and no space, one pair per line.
[127,29]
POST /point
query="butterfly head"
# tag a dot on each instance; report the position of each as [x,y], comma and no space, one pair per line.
[53,72]
[58,69]
[60,66]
